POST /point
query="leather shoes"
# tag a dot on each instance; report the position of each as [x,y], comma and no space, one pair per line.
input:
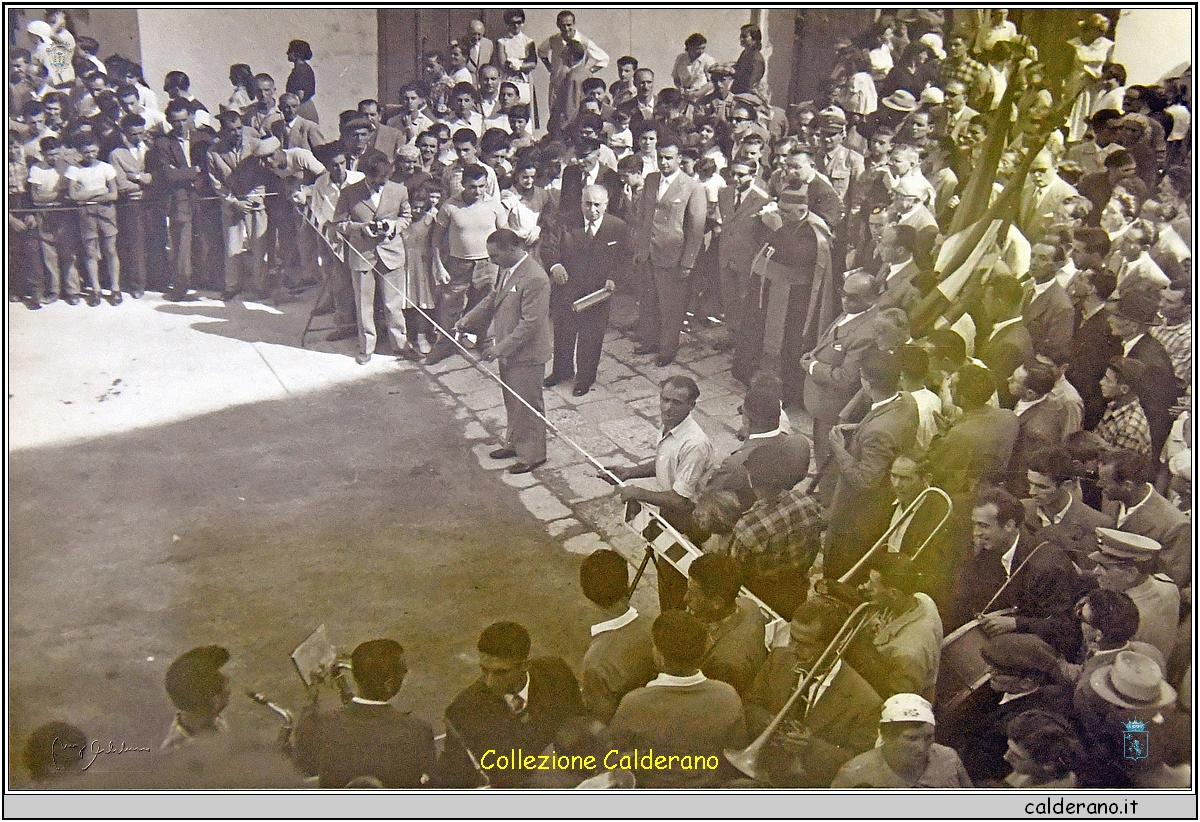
[229,293]
[71,299]
[645,348]
[362,359]
[137,293]
[341,334]
[181,296]
[523,467]
[580,390]
[552,381]
[502,454]
[116,298]
[33,303]
[440,351]
[662,360]
[93,299]
[409,353]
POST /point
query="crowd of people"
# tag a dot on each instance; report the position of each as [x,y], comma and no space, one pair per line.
[972,275]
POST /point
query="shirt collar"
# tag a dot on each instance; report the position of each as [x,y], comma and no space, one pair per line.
[613,624]
[776,431]
[848,318]
[1024,405]
[998,327]
[667,180]
[1127,511]
[1041,288]
[1004,700]
[523,694]
[875,405]
[362,701]
[1057,518]
[896,268]
[669,681]
[1128,345]
[688,423]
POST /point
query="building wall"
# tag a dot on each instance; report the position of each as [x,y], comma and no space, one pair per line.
[1152,42]
[205,42]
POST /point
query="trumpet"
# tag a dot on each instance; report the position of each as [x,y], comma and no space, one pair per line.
[906,517]
[748,760]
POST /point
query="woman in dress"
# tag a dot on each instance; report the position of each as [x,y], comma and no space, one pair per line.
[245,95]
[302,82]
[1092,51]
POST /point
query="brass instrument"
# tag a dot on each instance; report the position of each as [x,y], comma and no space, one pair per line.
[905,517]
[748,759]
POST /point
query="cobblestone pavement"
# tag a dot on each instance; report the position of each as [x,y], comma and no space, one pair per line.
[617,422]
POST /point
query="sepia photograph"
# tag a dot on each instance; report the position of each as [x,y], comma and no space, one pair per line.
[437,411]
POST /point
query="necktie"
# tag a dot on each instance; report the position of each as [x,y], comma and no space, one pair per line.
[591,229]
[737,200]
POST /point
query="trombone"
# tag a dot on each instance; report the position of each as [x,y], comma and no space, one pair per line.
[906,517]
[748,759]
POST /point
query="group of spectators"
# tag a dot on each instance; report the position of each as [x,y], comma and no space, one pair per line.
[1046,391]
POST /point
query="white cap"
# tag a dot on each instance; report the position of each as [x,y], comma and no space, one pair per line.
[934,41]
[933,96]
[907,708]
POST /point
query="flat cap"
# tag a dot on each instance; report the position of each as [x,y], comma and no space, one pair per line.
[907,708]
[1020,654]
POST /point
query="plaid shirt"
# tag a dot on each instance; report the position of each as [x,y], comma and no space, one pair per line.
[1177,340]
[1124,425]
[969,71]
[779,531]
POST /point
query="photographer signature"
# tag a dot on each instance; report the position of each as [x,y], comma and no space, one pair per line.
[95,748]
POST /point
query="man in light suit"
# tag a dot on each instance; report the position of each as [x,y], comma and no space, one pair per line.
[477,48]
[741,235]
[1137,508]
[582,260]
[863,461]
[384,139]
[1043,193]
[1048,312]
[370,216]
[668,240]
[832,366]
[239,177]
[1052,514]
[518,310]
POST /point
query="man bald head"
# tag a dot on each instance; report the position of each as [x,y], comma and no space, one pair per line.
[858,292]
[595,203]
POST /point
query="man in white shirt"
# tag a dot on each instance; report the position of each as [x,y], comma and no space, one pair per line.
[551,49]
[93,184]
[322,205]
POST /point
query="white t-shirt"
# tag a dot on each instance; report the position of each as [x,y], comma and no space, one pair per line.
[44,183]
[92,181]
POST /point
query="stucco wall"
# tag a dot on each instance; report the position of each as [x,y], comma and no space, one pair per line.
[1151,42]
[204,43]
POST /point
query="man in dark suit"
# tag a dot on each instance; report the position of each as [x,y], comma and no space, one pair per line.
[583,259]
[384,139]
[1051,513]
[177,165]
[518,310]
[1130,318]
[832,366]
[839,715]
[980,442]
[668,239]
[1047,310]
[371,216]
[863,491]
[368,736]
[1093,346]
[741,235]
[517,704]
[585,170]
[682,713]
[1009,343]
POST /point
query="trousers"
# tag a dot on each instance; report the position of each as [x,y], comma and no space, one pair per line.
[526,432]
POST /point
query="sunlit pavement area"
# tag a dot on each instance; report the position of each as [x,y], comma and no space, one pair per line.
[184,474]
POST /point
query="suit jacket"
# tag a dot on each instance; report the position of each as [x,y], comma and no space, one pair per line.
[1091,348]
[672,229]
[863,487]
[978,445]
[174,178]
[570,209]
[589,261]
[900,291]
[300,133]
[1037,211]
[1159,391]
[1169,527]
[736,647]
[834,379]
[1041,427]
[353,213]
[843,721]
[239,170]
[742,233]
[364,740]
[387,140]
[125,163]
[483,721]
[1075,533]
[519,312]
[1010,347]
[1050,318]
